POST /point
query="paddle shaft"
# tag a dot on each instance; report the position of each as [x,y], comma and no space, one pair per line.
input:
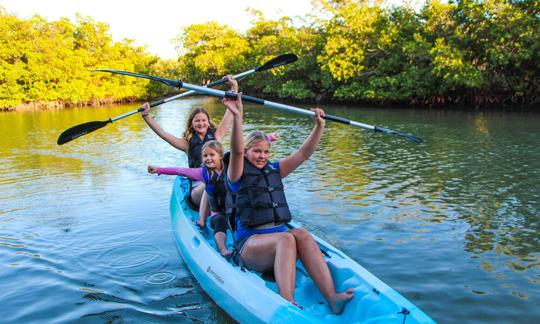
[83,129]
[273,63]
[180,95]
[232,95]
[222,94]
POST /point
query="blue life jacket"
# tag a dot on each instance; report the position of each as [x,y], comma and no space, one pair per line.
[260,198]
[195,148]
[215,188]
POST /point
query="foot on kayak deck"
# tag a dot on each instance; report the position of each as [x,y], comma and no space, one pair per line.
[337,305]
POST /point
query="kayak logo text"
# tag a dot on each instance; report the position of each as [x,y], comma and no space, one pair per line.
[215,275]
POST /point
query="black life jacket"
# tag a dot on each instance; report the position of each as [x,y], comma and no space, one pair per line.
[195,148]
[215,188]
[260,198]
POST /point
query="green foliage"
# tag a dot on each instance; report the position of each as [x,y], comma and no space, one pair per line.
[502,40]
[350,50]
[44,61]
[451,49]
[210,50]
[304,79]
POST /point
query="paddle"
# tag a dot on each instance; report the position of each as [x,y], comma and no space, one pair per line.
[219,93]
[83,129]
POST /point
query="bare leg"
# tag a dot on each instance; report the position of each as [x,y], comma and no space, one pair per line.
[275,250]
[204,209]
[196,194]
[220,238]
[311,256]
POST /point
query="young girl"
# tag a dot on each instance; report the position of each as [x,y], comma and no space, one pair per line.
[256,199]
[199,130]
[211,174]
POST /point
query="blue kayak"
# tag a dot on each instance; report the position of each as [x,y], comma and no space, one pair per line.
[250,297]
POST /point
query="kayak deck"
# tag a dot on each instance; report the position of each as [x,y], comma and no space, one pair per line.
[249,296]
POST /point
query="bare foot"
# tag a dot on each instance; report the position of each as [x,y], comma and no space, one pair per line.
[225,253]
[200,223]
[337,304]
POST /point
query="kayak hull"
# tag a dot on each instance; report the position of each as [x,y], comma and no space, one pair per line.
[248,298]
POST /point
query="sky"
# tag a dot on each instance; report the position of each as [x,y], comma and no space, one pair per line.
[156,22]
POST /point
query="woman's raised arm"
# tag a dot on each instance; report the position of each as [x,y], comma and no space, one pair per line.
[227,120]
[236,162]
[309,146]
[179,143]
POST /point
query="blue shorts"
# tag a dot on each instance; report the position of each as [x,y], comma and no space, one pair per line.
[250,232]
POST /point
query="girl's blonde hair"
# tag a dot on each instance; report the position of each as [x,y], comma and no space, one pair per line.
[188,133]
[254,138]
[216,146]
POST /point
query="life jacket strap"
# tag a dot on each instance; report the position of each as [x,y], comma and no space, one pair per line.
[259,205]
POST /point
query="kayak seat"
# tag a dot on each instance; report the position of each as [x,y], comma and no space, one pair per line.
[190,202]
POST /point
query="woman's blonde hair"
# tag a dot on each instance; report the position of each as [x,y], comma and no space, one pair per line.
[254,138]
[216,146]
[188,133]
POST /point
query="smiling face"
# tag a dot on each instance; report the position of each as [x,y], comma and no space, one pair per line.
[257,153]
[200,124]
[211,159]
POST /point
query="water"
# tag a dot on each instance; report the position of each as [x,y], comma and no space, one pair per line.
[452,224]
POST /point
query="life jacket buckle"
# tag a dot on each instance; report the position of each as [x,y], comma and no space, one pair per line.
[270,189]
[274,204]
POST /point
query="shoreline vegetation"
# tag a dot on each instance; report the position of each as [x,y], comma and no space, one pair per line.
[468,54]
[482,103]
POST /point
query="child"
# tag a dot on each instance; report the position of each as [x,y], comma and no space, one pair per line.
[210,173]
[257,201]
[199,130]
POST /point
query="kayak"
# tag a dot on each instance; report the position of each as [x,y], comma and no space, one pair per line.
[251,297]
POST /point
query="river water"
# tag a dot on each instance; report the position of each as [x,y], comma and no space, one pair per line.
[452,224]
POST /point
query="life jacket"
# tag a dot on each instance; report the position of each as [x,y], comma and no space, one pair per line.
[260,198]
[195,148]
[215,188]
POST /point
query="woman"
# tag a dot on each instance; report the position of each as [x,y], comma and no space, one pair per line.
[257,201]
[199,130]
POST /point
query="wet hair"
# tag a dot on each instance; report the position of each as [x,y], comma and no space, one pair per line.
[254,138]
[188,133]
[216,146]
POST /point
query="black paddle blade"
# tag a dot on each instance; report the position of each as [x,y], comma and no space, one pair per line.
[277,61]
[80,130]
[413,138]
[409,137]
[172,83]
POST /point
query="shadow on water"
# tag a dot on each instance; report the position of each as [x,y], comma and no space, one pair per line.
[452,224]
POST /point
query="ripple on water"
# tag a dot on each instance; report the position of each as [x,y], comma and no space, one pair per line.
[110,238]
[160,278]
[133,260]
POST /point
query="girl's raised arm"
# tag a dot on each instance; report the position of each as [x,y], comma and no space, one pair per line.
[309,146]
[236,162]
[227,120]
[179,143]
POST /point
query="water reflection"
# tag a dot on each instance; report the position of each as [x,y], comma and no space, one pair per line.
[452,223]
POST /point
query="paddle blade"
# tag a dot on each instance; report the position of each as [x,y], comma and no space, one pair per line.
[409,137]
[80,130]
[171,83]
[277,61]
